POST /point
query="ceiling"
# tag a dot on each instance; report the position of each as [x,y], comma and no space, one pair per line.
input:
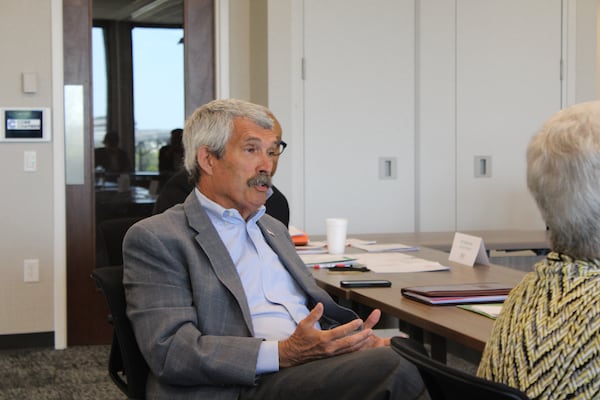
[168,12]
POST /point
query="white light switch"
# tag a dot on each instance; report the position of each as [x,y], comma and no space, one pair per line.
[29,82]
[31,270]
[30,161]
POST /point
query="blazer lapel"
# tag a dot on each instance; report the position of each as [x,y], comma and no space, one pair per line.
[208,239]
[288,256]
[334,313]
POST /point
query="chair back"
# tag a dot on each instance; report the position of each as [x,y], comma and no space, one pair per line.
[445,383]
[126,366]
[109,240]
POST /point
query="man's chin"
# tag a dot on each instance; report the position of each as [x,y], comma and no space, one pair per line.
[258,199]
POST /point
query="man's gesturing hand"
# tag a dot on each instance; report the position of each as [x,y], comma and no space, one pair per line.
[308,343]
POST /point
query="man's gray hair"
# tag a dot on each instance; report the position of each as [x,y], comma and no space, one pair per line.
[211,125]
[563,175]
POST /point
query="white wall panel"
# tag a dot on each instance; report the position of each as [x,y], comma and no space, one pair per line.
[508,84]
[359,106]
[434,84]
[436,111]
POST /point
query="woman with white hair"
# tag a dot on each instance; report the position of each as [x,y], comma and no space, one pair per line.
[546,342]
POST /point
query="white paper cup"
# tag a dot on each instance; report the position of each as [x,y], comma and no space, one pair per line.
[336,235]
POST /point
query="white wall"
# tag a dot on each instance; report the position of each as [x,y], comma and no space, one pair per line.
[446,197]
[247,49]
[359,108]
[28,203]
[586,48]
[258,52]
[239,48]
[285,97]
[508,84]
[597,96]
[436,117]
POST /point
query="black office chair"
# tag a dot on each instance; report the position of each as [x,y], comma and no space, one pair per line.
[446,383]
[126,365]
[109,240]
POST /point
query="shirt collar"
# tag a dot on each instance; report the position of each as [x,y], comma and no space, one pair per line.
[217,211]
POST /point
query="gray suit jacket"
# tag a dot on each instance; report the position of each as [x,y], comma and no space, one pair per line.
[188,308]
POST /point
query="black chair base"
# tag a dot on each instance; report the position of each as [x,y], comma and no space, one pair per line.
[126,366]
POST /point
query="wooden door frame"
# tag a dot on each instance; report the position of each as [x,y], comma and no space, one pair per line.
[86,309]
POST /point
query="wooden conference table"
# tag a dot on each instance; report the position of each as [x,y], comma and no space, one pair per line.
[440,322]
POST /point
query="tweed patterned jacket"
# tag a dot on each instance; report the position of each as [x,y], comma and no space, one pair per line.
[546,341]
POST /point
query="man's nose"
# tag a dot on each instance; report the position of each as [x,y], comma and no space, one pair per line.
[266,163]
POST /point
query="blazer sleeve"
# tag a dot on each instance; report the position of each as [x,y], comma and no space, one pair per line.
[165,312]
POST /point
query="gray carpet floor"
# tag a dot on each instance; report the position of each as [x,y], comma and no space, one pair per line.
[79,372]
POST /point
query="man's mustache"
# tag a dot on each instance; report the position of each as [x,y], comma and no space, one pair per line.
[261,179]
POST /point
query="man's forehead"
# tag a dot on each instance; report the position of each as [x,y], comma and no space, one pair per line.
[258,139]
[276,125]
[245,129]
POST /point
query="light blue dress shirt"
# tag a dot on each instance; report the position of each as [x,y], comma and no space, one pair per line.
[275,300]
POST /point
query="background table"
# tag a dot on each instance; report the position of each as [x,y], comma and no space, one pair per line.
[509,240]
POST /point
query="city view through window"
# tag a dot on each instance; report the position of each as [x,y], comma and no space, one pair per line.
[158,90]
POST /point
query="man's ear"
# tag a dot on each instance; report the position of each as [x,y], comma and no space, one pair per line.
[205,160]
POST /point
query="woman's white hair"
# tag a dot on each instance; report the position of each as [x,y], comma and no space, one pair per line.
[563,175]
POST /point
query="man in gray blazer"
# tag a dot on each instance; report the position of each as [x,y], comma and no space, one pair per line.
[222,306]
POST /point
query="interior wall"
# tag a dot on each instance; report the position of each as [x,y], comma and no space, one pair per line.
[248,50]
[508,84]
[436,95]
[284,56]
[597,49]
[239,49]
[586,45]
[26,212]
[359,109]
[258,53]
[286,97]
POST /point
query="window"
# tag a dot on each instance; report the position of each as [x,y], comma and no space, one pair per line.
[158,91]
[99,79]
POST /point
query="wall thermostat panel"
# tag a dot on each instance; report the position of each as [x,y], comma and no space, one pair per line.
[25,124]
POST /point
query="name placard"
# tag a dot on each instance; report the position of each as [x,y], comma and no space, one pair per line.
[468,250]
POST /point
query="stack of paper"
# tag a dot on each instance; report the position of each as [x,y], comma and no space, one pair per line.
[311,248]
[488,310]
[383,247]
[391,262]
[318,247]
[327,260]
[358,242]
